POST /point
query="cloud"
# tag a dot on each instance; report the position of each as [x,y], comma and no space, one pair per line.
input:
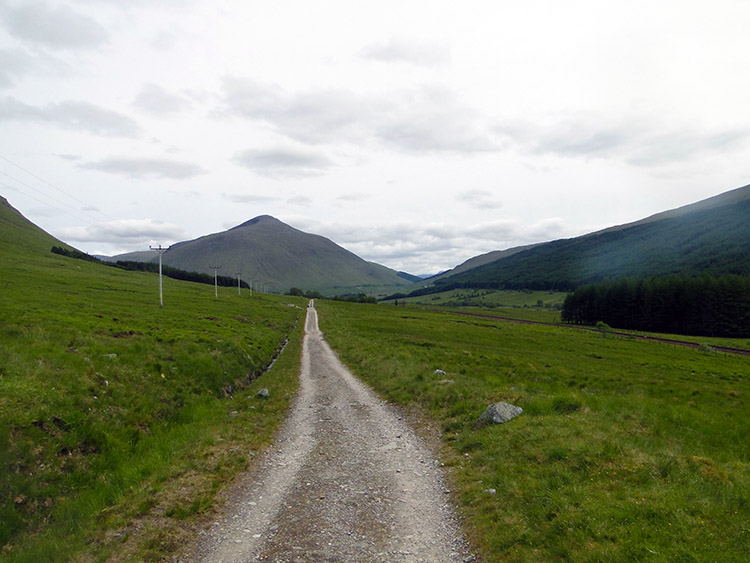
[428,54]
[145,168]
[250,198]
[73,115]
[124,232]
[679,146]
[13,65]
[313,117]
[283,162]
[431,247]
[156,100]
[479,199]
[427,119]
[352,198]
[637,139]
[299,200]
[53,27]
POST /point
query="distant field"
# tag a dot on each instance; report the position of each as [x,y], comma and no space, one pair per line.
[489,298]
[119,421]
[627,450]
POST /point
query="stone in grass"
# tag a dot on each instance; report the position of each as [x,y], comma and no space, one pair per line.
[438,372]
[262,394]
[497,413]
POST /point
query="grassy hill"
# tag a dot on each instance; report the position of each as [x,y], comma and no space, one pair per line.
[711,237]
[120,420]
[266,250]
[626,450]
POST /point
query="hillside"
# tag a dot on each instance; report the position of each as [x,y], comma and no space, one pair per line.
[711,236]
[266,250]
[23,233]
[114,421]
[481,260]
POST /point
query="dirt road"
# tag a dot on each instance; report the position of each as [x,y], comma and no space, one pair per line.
[347,480]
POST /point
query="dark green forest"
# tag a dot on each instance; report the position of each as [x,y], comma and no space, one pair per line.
[699,306]
[714,241]
[170,272]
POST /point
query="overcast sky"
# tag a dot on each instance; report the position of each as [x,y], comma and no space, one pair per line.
[416,134]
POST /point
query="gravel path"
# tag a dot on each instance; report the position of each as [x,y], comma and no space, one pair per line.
[347,480]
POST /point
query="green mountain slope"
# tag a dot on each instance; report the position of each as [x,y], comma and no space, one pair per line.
[22,233]
[481,260]
[266,250]
[114,411]
[712,236]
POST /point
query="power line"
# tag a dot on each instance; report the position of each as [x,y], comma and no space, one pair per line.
[122,230]
[50,184]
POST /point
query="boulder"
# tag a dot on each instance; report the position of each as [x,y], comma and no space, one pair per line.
[262,394]
[497,413]
[438,372]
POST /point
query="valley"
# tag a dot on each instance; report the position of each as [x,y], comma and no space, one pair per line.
[124,425]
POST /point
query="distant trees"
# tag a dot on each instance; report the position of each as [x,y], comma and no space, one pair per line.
[73,253]
[701,306]
[296,291]
[170,272]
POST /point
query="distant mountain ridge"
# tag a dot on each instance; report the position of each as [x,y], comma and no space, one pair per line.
[267,250]
[711,236]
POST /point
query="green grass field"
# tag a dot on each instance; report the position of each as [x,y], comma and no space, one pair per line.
[627,450]
[489,298]
[120,421]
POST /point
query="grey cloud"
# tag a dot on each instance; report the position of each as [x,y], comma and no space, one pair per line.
[123,231]
[436,246]
[639,140]
[283,162]
[299,200]
[249,198]
[351,198]
[73,115]
[399,50]
[145,168]
[13,65]
[479,199]
[312,117]
[54,27]
[680,146]
[424,120]
[156,100]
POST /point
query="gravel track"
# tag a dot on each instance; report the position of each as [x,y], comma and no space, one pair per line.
[346,480]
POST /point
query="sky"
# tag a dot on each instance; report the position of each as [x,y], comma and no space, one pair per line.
[416,134]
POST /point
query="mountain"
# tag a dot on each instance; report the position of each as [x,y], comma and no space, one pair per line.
[711,236]
[480,260]
[24,234]
[268,251]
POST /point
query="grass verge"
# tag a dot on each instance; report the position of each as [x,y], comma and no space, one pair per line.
[119,421]
[627,450]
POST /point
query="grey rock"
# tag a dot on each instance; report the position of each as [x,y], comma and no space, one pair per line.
[438,372]
[262,394]
[497,413]
[445,382]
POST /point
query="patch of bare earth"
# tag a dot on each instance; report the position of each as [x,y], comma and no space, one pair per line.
[347,480]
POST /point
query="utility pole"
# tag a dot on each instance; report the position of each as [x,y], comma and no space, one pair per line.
[216,279]
[160,250]
[238,283]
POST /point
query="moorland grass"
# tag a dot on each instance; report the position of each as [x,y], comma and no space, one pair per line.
[119,420]
[627,450]
[489,298]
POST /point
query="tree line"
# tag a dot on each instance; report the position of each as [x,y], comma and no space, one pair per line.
[169,271]
[699,306]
